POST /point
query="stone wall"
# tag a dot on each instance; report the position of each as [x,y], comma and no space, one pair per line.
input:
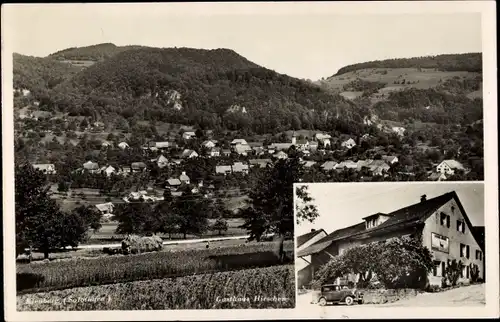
[387,295]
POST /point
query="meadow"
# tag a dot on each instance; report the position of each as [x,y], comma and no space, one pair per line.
[271,287]
[78,272]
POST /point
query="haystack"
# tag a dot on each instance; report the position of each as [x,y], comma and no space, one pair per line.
[134,244]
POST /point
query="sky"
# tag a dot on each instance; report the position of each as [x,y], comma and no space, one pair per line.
[305,42]
[341,205]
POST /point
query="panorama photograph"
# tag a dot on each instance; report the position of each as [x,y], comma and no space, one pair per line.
[155,150]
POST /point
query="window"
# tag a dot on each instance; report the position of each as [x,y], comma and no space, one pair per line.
[479,255]
[467,253]
[462,250]
[435,268]
[461,226]
[445,220]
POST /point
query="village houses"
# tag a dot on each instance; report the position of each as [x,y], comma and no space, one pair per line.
[441,221]
[123,145]
[323,138]
[106,209]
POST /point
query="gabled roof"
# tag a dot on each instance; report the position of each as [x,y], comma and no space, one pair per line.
[174,182]
[329,165]
[138,165]
[453,164]
[405,217]
[302,239]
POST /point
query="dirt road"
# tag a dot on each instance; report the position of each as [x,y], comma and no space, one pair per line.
[473,295]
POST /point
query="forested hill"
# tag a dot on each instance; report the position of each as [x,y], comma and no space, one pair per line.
[93,53]
[209,88]
[39,74]
[470,62]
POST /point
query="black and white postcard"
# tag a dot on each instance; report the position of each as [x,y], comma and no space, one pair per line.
[151,152]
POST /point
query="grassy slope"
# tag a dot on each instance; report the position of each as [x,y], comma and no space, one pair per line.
[427,78]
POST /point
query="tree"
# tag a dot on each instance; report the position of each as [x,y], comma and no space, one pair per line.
[474,272]
[90,216]
[270,206]
[220,225]
[134,218]
[192,211]
[453,271]
[304,207]
[40,223]
[397,262]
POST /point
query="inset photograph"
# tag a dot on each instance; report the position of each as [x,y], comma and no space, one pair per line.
[399,244]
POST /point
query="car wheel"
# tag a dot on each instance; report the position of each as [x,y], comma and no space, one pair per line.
[322,301]
[349,300]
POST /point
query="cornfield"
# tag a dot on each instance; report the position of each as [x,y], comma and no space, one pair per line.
[115,269]
[271,287]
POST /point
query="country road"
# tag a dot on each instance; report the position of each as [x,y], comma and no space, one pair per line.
[168,242]
[472,295]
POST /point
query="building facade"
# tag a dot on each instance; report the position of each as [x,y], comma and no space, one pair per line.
[441,222]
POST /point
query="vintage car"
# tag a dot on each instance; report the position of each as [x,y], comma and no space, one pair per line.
[334,293]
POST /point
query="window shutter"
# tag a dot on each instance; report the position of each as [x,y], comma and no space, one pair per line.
[448,221]
[461,250]
[467,251]
[463,226]
[458,226]
[467,271]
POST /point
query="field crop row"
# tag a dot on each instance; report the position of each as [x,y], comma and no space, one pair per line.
[271,287]
[115,269]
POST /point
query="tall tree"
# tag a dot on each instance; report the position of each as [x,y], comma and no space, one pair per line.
[270,205]
[40,223]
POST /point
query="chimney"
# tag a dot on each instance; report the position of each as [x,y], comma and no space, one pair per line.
[313,230]
[423,198]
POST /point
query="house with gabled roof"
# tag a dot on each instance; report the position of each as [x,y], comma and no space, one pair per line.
[161,161]
[259,163]
[91,167]
[138,166]
[242,149]
[348,144]
[106,209]
[281,155]
[209,144]
[188,135]
[329,165]
[437,176]
[214,152]
[240,167]
[348,164]
[173,183]
[188,154]
[123,145]
[441,223]
[238,141]
[449,167]
[223,169]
